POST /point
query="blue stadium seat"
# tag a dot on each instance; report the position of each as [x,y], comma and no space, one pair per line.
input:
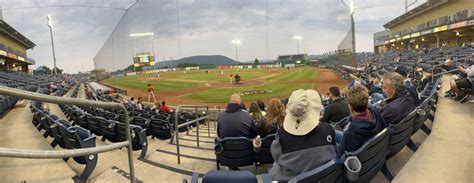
[234,152]
[372,155]
[161,129]
[215,176]
[138,135]
[264,155]
[332,172]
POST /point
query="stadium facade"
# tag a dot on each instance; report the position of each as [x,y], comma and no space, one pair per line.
[436,23]
[13,47]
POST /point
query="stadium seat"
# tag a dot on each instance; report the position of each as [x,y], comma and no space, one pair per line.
[234,152]
[215,176]
[331,171]
[143,122]
[161,129]
[400,136]
[372,155]
[108,129]
[138,135]
[93,124]
[264,155]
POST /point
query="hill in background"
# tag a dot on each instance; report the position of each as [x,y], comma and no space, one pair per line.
[199,60]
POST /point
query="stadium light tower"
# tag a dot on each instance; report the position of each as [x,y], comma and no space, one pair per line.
[50,25]
[297,38]
[237,43]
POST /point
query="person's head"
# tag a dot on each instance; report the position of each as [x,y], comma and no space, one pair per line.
[392,84]
[402,70]
[235,99]
[302,112]
[149,84]
[163,103]
[275,112]
[157,104]
[334,92]
[132,99]
[358,98]
[254,111]
[261,105]
[139,99]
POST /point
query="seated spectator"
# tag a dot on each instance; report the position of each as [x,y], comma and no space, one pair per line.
[402,70]
[156,107]
[364,122]
[459,82]
[273,120]
[399,103]
[336,110]
[139,105]
[164,107]
[52,87]
[261,104]
[132,101]
[255,112]
[303,143]
[235,121]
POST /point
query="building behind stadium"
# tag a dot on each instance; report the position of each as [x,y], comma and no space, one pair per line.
[436,23]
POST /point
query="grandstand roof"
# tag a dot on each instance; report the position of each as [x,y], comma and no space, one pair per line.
[14,34]
[419,10]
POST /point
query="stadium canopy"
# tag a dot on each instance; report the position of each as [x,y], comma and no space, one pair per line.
[15,35]
[425,7]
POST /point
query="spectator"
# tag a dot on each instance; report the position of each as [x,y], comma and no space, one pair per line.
[164,107]
[139,105]
[336,110]
[235,121]
[255,112]
[133,102]
[399,103]
[261,104]
[156,108]
[364,122]
[458,82]
[410,86]
[150,91]
[52,87]
[303,143]
[273,120]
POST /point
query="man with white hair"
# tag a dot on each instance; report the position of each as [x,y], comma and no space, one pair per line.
[235,121]
[399,103]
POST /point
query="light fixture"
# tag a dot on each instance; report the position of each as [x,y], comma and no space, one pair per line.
[142,34]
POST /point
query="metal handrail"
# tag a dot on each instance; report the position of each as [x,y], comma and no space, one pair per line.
[69,153]
[52,154]
[176,126]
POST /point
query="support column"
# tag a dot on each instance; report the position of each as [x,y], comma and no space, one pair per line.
[437,41]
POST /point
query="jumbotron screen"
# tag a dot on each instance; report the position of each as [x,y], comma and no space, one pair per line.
[143,59]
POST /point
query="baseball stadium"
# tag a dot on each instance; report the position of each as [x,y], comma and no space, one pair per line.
[236,91]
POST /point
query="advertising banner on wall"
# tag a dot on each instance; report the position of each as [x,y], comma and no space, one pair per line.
[458,25]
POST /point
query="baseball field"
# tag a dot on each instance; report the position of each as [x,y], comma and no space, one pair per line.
[214,87]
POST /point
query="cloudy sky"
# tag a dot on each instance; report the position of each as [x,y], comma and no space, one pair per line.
[83,27]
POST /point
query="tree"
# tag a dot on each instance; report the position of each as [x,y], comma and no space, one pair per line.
[42,70]
[256,62]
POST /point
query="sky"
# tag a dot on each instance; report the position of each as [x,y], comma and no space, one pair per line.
[83,27]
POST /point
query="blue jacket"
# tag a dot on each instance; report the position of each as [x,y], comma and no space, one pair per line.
[397,107]
[360,130]
[236,122]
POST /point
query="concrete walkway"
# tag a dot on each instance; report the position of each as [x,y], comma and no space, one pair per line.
[17,131]
[447,155]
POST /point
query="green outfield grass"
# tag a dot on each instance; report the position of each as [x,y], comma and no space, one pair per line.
[160,85]
[223,94]
[178,80]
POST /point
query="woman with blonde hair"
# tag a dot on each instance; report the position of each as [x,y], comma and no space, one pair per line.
[273,119]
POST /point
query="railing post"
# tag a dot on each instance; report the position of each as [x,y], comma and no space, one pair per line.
[197,126]
[177,133]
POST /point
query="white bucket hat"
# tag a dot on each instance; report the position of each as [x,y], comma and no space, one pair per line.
[302,112]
